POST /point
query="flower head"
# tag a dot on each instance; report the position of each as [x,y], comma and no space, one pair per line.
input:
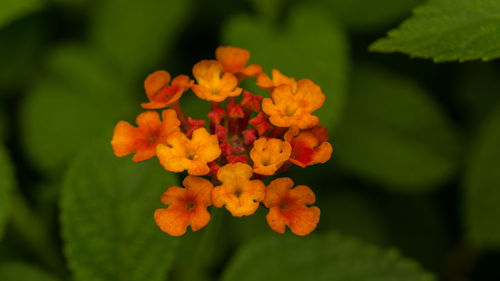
[213,83]
[310,146]
[268,154]
[186,206]
[234,59]
[160,93]
[246,140]
[288,206]
[144,139]
[286,107]
[180,153]
[239,194]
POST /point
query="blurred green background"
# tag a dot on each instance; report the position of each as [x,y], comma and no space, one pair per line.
[415,167]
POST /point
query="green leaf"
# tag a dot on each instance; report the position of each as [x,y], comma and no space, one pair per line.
[6,187]
[310,46]
[447,30]
[138,34]
[268,8]
[418,225]
[330,257]
[482,186]
[393,133]
[20,54]
[202,252]
[107,210]
[82,98]
[15,271]
[11,10]
[369,15]
[359,209]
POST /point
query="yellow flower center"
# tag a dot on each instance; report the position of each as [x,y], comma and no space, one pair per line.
[191,155]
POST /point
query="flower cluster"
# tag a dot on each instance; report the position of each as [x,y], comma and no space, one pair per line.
[248,137]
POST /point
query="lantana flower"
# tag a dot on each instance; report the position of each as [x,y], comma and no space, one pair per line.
[239,194]
[268,154]
[279,79]
[186,206]
[234,59]
[310,146]
[212,83]
[180,153]
[289,207]
[286,107]
[143,140]
[161,93]
[245,139]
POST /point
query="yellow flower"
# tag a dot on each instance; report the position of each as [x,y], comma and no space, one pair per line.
[268,154]
[180,153]
[239,194]
[213,84]
[286,107]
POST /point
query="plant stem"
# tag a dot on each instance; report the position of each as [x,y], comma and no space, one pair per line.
[181,116]
[277,132]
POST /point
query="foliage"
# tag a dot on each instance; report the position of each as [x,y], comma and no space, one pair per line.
[106,210]
[369,15]
[331,257]
[79,77]
[481,186]
[447,30]
[411,191]
[13,9]
[392,132]
[14,271]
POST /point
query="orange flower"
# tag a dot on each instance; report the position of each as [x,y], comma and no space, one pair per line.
[279,79]
[213,84]
[186,206]
[144,139]
[234,59]
[179,153]
[268,154]
[288,206]
[310,146]
[160,93]
[238,193]
[286,108]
